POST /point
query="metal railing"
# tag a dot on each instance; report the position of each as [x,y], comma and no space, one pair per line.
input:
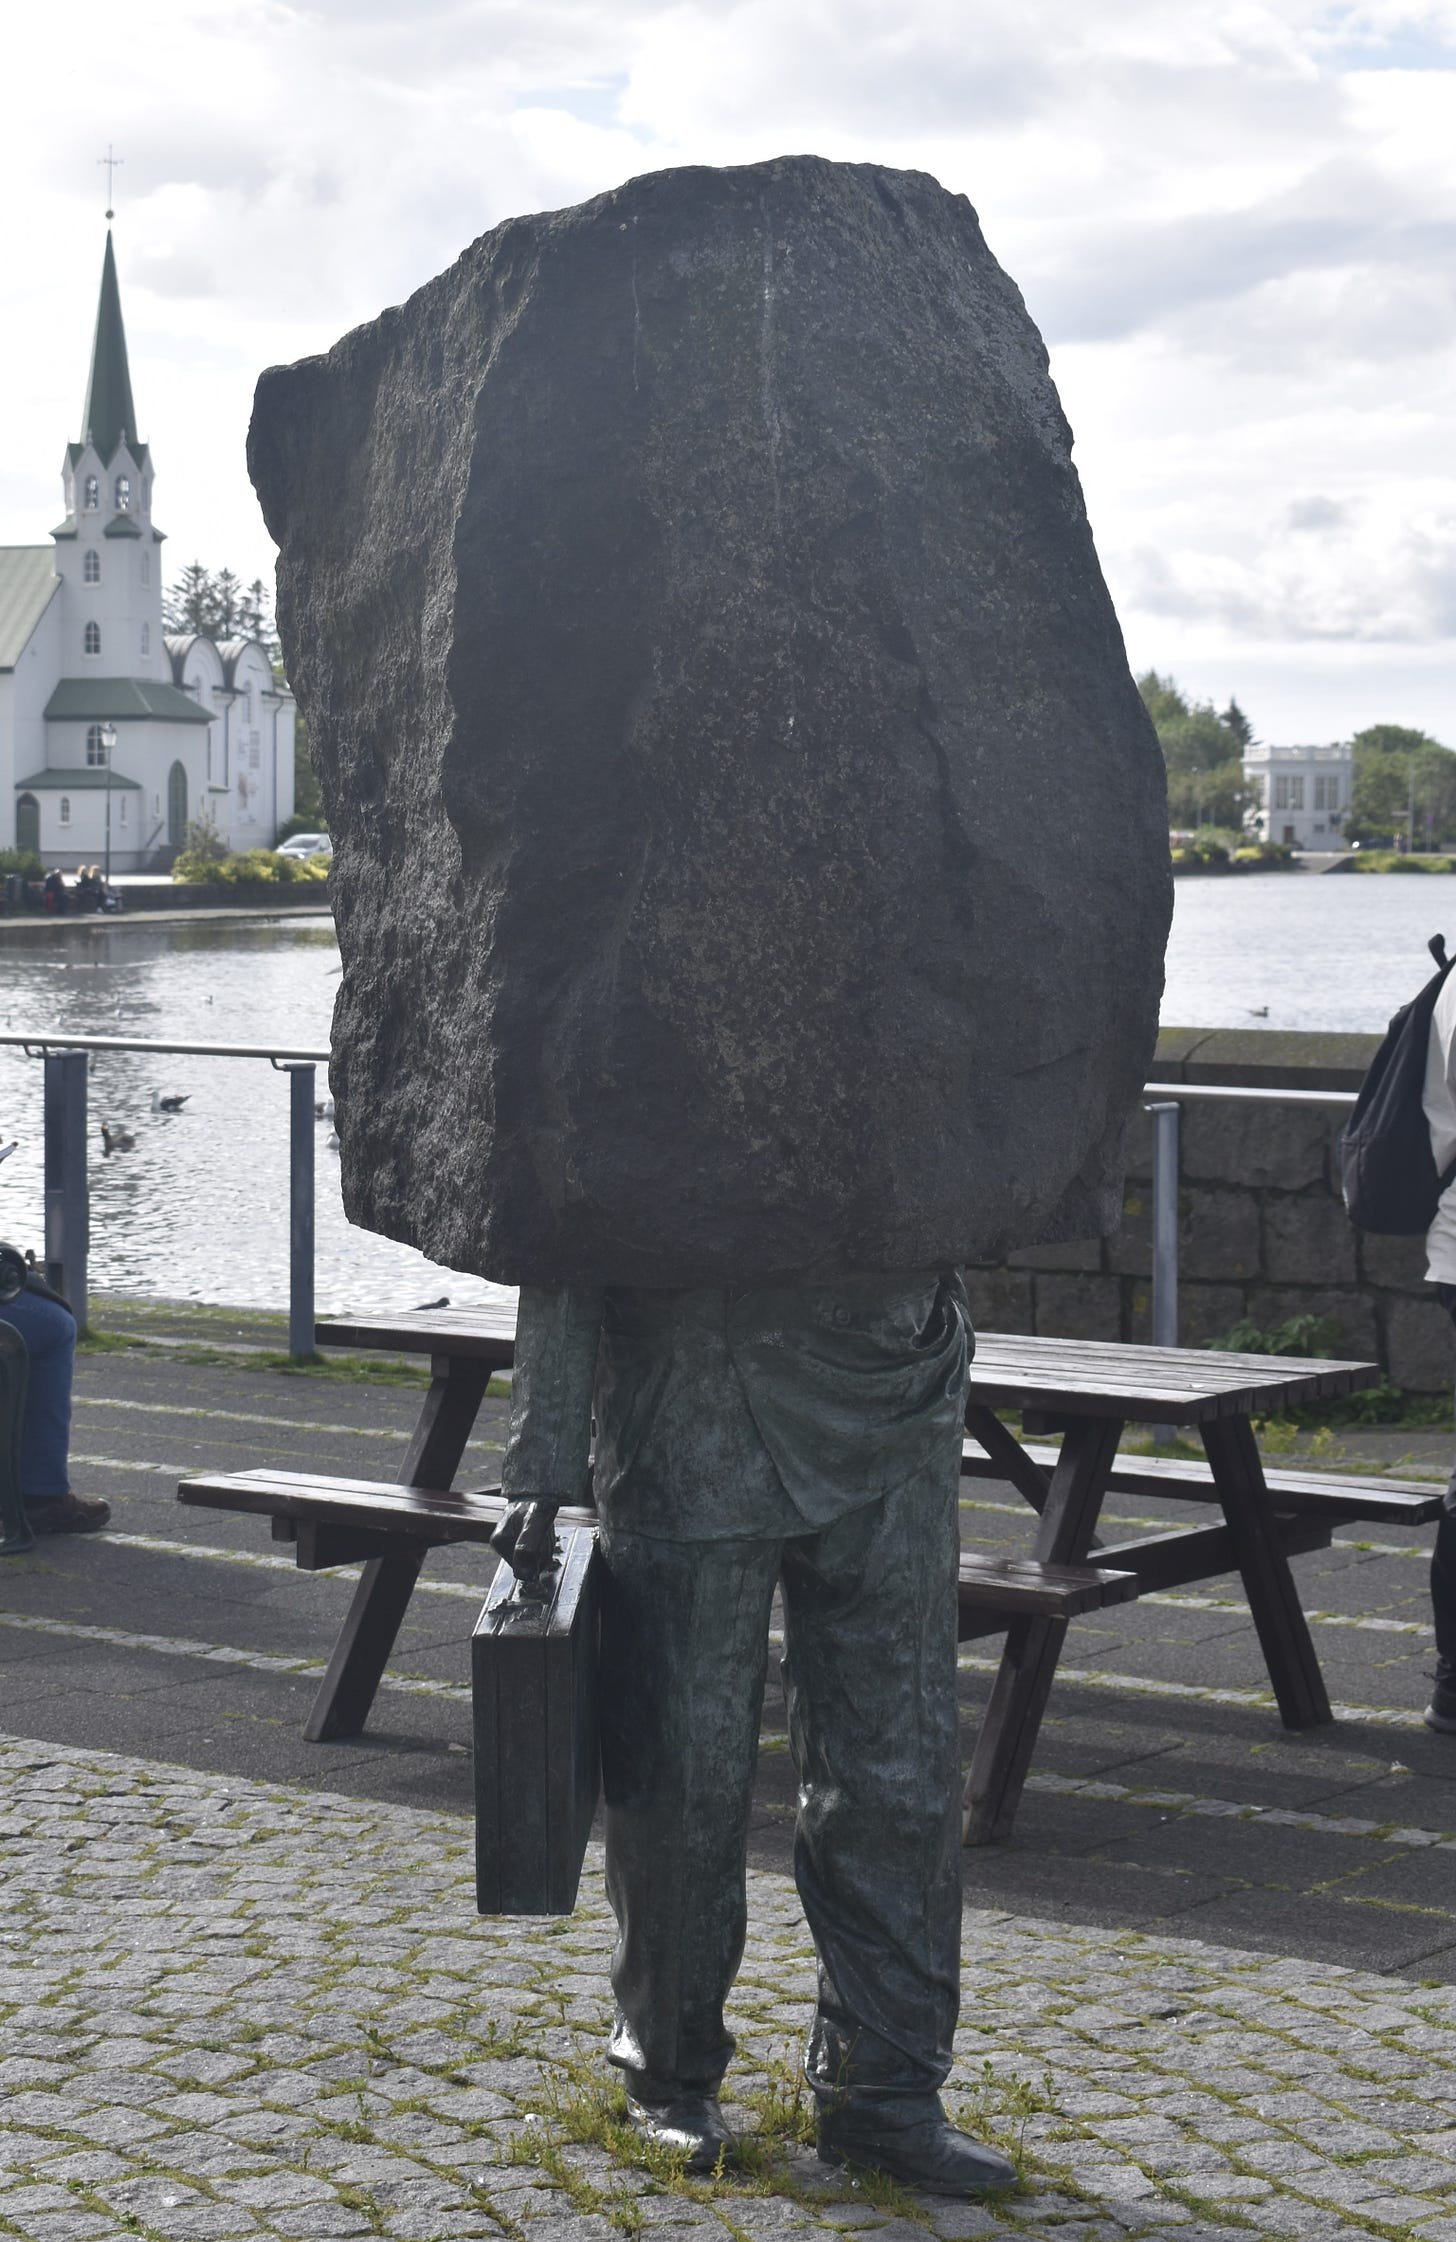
[67,1195]
[1165,1100]
[66,1135]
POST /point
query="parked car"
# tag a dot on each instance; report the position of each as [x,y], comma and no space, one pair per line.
[307,844]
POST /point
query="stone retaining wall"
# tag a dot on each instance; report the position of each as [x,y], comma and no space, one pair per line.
[1262,1231]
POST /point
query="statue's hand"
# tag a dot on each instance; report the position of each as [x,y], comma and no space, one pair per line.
[526,1536]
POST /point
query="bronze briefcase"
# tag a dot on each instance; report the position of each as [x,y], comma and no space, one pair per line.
[537,1765]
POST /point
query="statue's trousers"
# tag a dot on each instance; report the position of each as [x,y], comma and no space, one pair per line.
[869,1607]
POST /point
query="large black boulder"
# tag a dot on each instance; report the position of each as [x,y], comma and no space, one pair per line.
[750,848]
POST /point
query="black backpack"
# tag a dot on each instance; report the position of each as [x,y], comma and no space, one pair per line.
[1387,1170]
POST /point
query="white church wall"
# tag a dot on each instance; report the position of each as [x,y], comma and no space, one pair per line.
[7,759]
[30,688]
[247,815]
[281,737]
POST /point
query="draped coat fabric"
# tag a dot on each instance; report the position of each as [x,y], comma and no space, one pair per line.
[725,1414]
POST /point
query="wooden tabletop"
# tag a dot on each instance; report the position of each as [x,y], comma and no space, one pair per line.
[1058,1377]
[1171,1385]
[484,1333]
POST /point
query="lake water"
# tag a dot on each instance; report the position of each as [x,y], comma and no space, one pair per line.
[198,1209]
[1330,950]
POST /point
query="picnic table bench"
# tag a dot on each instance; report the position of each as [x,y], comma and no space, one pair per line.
[1087,1391]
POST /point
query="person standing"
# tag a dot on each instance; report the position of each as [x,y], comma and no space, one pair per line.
[1439,1102]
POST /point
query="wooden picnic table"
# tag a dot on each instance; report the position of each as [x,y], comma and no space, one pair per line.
[1086,1391]
[1089,1390]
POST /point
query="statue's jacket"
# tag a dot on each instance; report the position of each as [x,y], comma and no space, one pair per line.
[733,1413]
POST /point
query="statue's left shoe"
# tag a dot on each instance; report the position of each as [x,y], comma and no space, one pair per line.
[911,2139]
[690,2125]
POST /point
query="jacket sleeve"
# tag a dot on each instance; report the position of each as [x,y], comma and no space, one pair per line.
[549,1445]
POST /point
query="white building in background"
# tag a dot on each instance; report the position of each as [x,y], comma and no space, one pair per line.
[1303,793]
[82,651]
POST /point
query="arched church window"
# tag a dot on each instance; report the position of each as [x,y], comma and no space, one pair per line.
[146,638]
[92,638]
[93,494]
[91,568]
[65,809]
[95,748]
[123,494]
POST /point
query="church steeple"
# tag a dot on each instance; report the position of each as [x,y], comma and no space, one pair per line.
[109,417]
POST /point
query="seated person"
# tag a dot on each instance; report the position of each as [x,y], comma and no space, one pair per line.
[48,1328]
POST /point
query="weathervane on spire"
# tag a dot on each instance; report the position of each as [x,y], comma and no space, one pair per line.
[113,164]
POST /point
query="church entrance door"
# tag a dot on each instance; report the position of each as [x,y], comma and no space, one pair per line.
[27,824]
[176,806]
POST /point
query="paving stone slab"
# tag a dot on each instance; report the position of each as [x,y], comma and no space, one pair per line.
[315,2036]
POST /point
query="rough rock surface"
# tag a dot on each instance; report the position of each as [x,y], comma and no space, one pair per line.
[751,853]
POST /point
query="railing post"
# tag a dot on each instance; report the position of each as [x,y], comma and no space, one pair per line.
[67,1195]
[1165,1234]
[1165,1224]
[300,1211]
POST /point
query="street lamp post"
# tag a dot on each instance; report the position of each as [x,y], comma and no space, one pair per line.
[108,748]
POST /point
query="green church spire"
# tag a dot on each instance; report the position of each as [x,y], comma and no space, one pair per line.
[109,417]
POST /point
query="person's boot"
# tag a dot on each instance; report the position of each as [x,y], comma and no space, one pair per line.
[1440,1714]
[910,2138]
[68,1514]
[686,2122]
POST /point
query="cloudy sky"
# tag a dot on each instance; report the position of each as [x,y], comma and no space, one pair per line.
[1233,220]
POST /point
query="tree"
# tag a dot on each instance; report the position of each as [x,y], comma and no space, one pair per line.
[1203,752]
[1405,782]
[218,606]
[188,605]
[1234,720]
[1391,739]
[1220,796]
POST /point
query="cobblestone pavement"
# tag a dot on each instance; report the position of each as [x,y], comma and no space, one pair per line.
[232,2010]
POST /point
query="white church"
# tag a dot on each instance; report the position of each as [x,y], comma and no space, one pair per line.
[106,724]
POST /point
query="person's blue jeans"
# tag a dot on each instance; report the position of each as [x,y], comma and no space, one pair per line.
[49,1332]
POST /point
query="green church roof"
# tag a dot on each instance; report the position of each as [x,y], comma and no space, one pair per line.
[28,584]
[70,782]
[122,525]
[108,418]
[126,700]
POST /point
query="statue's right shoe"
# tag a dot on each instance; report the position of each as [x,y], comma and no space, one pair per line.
[690,2125]
[913,2141]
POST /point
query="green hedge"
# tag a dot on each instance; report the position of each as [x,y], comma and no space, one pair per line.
[253,868]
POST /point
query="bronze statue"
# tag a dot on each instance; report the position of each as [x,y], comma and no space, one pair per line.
[806,1440]
[751,879]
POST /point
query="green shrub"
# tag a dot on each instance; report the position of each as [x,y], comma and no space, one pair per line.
[251,868]
[1201,854]
[23,862]
[1262,856]
[1396,860]
[1301,1335]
